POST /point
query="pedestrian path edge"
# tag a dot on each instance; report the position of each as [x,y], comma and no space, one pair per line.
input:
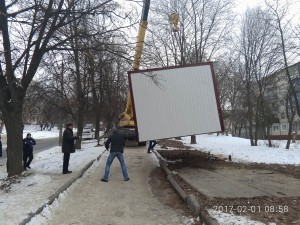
[52,198]
[189,199]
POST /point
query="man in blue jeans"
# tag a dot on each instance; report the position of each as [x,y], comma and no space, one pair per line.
[116,142]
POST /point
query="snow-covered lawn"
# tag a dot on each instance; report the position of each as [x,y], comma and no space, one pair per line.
[35,131]
[32,191]
[241,151]
[41,181]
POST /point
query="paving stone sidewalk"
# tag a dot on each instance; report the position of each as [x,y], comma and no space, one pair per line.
[92,202]
[241,183]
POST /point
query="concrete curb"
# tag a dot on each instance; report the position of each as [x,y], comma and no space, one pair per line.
[181,192]
[52,198]
[190,199]
[163,159]
[193,204]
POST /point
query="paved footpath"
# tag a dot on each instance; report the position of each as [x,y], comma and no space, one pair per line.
[241,183]
[92,202]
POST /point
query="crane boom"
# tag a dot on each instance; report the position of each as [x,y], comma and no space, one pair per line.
[141,35]
[126,118]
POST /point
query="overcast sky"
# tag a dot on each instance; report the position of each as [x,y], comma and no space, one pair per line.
[242,5]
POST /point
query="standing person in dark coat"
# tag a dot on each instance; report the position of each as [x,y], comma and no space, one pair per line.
[68,146]
[28,143]
[116,142]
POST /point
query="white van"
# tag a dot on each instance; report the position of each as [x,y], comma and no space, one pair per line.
[88,132]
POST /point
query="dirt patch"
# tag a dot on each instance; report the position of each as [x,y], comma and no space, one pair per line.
[162,189]
[6,183]
[166,143]
[279,210]
[165,193]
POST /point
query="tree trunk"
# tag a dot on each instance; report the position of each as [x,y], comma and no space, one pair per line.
[14,128]
[97,126]
[294,136]
[251,134]
[288,143]
[79,126]
[255,135]
[269,136]
[234,130]
[193,139]
[1,127]
[257,124]
[109,119]
[60,128]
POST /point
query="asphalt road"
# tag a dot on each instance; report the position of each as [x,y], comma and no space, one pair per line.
[41,145]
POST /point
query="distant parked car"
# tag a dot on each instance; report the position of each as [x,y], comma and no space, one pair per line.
[88,132]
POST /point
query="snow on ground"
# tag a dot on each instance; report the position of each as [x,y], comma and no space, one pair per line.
[231,219]
[41,181]
[32,191]
[48,209]
[36,133]
[241,150]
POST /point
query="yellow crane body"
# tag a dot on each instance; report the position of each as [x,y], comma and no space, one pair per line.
[126,119]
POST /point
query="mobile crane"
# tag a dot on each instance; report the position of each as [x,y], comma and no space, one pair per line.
[126,119]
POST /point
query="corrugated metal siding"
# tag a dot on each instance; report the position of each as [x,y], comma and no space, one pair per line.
[183,104]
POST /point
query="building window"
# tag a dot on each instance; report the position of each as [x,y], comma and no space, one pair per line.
[275,128]
[294,126]
[282,115]
[283,127]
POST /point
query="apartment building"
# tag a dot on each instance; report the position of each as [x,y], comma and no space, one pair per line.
[277,97]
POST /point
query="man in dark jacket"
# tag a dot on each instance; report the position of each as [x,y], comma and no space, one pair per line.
[116,142]
[28,143]
[68,146]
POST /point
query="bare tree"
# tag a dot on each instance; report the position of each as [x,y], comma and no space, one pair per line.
[281,20]
[109,87]
[204,26]
[230,85]
[40,106]
[258,57]
[29,30]
[80,76]
[108,59]
[290,112]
